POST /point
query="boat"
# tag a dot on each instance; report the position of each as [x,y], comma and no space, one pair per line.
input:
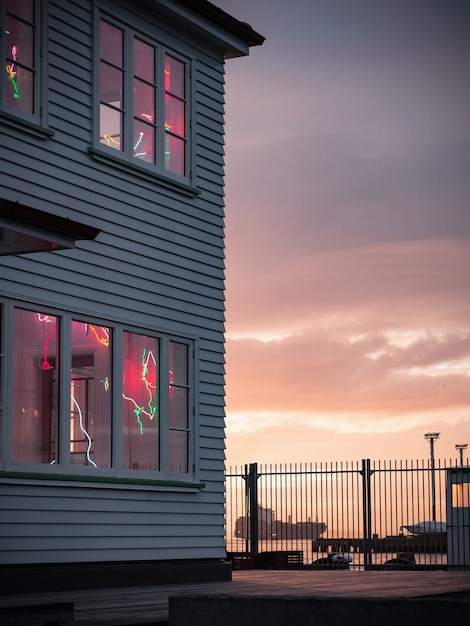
[425,528]
[273,529]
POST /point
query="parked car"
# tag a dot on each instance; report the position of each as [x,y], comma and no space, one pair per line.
[334,560]
[403,561]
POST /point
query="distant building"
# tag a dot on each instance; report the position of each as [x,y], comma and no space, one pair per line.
[111,291]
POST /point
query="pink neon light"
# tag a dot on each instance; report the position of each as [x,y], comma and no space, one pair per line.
[45,365]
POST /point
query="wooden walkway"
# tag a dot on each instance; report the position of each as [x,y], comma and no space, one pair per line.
[149,605]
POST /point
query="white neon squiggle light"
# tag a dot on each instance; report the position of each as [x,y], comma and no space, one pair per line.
[84,431]
[147,148]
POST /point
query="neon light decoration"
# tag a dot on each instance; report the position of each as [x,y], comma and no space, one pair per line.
[148,385]
[10,69]
[45,364]
[148,145]
[110,139]
[150,409]
[104,340]
[84,431]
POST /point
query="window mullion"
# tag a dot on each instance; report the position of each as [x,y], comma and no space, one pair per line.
[64,375]
[193,418]
[160,108]
[116,410]
[164,407]
[128,100]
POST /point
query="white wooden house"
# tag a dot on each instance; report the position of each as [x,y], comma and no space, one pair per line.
[112,291]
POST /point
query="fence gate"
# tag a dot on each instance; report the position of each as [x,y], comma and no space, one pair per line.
[359,515]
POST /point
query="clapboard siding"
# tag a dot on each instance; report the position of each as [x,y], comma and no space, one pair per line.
[157,264]
[63,526]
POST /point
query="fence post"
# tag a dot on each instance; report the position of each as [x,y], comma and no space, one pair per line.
[252,484]
[366,512]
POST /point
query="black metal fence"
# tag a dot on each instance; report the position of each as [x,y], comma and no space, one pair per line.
[364,515]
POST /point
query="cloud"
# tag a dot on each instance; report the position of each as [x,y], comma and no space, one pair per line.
[263,422]
[368,377]
[417,285]
[362,340]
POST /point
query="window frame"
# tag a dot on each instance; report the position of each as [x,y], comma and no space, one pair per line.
[36,122]
[123,158]
[115,473]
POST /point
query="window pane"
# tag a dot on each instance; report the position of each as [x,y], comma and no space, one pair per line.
[20,42]
[178,452]
[178,365]
[35,387]
[178,407]
[141,424]
[110,127]
[22,8]
[144,61]
[90,396]
[111,43]
[143,141]
[175,154]
[111,85]
[144,101]
[174,116]
[174,76]
[20,64]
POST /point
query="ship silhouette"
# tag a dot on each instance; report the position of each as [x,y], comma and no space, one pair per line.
[274,529]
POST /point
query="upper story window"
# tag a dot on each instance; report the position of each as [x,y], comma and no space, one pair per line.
[23,77]
[83,397]
[143,103]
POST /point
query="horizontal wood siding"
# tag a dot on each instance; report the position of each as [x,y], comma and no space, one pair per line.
[158,263]
[43,524]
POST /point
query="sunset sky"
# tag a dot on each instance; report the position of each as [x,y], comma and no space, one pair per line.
[348,231]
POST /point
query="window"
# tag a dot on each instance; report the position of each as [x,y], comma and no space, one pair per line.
[179,417]
[95,398]
[143,105]
[23,77]
[461,495]
[35,415]
[141,402]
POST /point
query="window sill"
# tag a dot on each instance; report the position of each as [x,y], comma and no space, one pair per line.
[127,166]
[100,482]
[20,123]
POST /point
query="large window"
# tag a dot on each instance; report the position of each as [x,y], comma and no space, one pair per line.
[94,398]
[143,107]
[22,77]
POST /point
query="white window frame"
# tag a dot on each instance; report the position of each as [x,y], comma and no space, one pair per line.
[36,122]
[124,158]
[115,473]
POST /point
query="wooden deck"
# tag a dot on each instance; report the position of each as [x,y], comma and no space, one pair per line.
[149,605]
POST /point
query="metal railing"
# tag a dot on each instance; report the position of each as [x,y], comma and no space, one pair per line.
[363,515]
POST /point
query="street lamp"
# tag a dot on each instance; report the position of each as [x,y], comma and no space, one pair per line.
[461,447]
[432,437]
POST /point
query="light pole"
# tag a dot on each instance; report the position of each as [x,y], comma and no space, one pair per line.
[461,447]
[432,437]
